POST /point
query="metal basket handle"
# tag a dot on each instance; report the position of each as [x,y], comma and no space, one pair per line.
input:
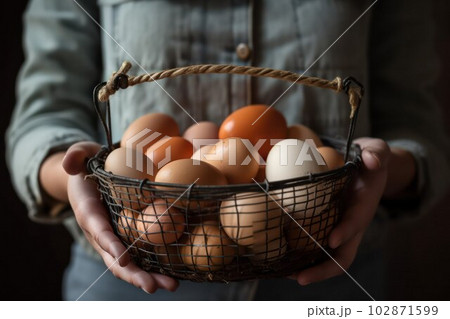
[120,80]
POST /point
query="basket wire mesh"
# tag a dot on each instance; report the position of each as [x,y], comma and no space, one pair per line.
[233,232]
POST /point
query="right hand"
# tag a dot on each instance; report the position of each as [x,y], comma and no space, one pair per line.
[92,217]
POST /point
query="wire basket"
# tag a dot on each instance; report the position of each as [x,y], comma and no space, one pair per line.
[233,232]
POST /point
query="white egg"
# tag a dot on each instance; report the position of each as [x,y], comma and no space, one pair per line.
[292,158]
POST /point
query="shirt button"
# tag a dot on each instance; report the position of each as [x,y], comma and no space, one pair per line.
[243,51]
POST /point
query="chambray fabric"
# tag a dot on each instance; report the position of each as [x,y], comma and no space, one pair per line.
[390,50]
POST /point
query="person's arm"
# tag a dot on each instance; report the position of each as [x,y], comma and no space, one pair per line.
[401,174]
[53,178]
[410,154]
[54,87]
[403,105]
[53,113]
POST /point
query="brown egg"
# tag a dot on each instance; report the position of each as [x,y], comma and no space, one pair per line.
[319,227]
[250,219]
[169,256]
[147,130]
[199,155]
[204,216]
[271,251]
[126,226]
[302,132]
[208,249]
[187,172]
[161,224]
[333,158]
[169,149]
[198,133]
[257,123]
[130,163]
[232,157]
[261,175]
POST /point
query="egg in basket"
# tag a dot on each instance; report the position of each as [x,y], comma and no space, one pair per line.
[250,199]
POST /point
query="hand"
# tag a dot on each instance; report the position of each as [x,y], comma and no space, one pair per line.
[364,197]
[92,217]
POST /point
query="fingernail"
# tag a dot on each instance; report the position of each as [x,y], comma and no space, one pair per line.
[335,244]
[149,293]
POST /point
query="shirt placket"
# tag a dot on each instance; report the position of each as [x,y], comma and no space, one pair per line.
[242,29]
[241,88]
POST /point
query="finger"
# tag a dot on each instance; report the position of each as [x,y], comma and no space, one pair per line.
[359,212]
[81,189]
[149,282]
[100,230]
[166,282]
[73,162]
[293,276]
[343,258]
[101,251]
[365,194]
[375,153]
[109,242]
[130,273]
[93,218]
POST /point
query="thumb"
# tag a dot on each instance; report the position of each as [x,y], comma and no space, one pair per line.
[74,160]
[375,153]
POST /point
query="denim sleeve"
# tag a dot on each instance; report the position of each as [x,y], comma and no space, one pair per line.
[403,74]
[54,87]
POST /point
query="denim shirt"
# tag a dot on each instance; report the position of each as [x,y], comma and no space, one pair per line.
[390,50]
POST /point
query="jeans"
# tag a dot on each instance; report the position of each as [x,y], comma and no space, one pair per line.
[83,270]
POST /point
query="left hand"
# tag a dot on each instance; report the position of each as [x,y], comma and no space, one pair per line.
[365,194]
[93,219]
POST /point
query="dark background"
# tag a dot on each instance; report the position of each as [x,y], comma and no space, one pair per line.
[33,256]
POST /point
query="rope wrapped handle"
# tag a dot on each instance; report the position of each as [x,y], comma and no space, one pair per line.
[120,80]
